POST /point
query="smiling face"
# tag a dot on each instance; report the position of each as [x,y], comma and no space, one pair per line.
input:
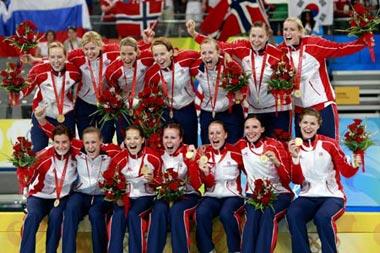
[57,58]
[209,54]
[134,141]
[171,140]
[92,143]
[91,50]
[258,37]
[253,129]
[61,144]
[292,33]
[217,135]
[162,56]
[309,126]
[128,55]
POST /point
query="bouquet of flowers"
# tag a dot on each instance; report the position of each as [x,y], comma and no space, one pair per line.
[357,139]
[26,37]
[281,82]
[362,22]
[263,195]
[148,114]
[111,106]
[172,188]
[113,184]
[234,82]
[23,158]
[13,81]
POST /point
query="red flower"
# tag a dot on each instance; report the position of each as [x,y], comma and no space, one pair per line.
[360,130]
[357,121]
[360,9]
[266,199]
[173,186]
[121,185]
[352,127]
[259,184]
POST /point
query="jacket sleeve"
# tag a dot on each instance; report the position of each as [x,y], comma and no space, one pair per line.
[322,48]
[339,160]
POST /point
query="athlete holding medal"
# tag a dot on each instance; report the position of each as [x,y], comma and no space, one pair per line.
[55,80]
[53,175]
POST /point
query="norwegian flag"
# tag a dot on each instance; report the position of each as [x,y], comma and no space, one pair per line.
[231,17]
[133,16]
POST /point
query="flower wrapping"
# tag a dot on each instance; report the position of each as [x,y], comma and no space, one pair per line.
[113,184]
[111,106]
[171,188]
[357,139]
[148,114]
[23,158]
[280,84]
[362,22]
[26,37]
[13,81]
[234,82]
[263,195]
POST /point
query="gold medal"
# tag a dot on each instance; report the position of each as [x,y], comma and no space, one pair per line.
[297,93]
[298,142]
[145,170]
[264,158]
[61,118]
[203,160]
[189,154]
[171,114]
[56,203]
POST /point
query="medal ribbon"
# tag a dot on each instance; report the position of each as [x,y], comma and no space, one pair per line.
[216,88]
[60,98]
[97,88]
[133,85]
[165,86]
[297,81]
[59,182]
[258,83]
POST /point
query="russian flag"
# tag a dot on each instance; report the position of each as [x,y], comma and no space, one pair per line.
[56,15]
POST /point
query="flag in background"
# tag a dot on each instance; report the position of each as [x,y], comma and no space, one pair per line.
[322,11]
[56,15]
[132,17]
[231,17]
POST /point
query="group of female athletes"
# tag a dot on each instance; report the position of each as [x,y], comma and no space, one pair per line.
[65,182]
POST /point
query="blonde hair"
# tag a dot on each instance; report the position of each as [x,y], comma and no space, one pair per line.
[262,25]
[212,42]
[56,44]
[129,41]
[93,37]
[298,22]
[163,41]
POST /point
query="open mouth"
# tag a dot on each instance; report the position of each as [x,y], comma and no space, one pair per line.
[208,62]
[170,148]
[91,152]
[288,39]
[132,148]
[216,142]
[251,136]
